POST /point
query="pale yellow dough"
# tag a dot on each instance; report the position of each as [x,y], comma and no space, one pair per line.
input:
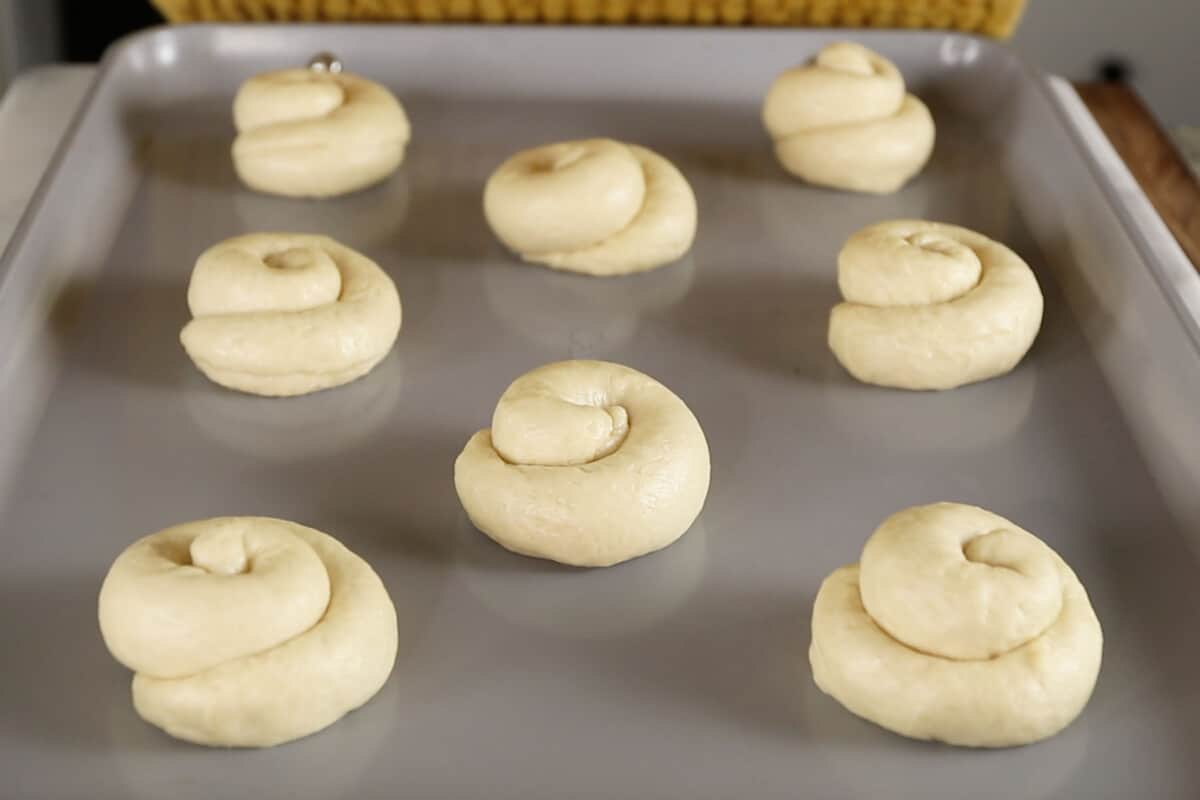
[845,121]
[595,206]
[304,133]
[931,306]
[282,314]
[587,463]
[247,631]
[957,626]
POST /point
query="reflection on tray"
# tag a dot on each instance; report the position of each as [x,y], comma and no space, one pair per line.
[841,741]
[361,220]
[969,417]
[281,429]
[585,315]
[581,603]
[150,765]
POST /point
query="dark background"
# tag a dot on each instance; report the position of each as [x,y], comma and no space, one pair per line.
[89,26]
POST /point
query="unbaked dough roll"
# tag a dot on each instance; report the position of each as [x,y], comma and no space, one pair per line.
[957,626]
[283,314]
[310,133]
[247,631]
[845,121]
[931,306]
[594,206]
[587,463]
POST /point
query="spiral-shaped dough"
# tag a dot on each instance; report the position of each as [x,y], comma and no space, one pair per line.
[308,133]
[957,626]
[846,121]
[283,314]
[594,206]
[587,463]
[247,631]
[931,306]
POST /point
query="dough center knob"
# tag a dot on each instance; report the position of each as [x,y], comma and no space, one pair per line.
[315,93]
[946,268]
[553,432]
[300,277]
[610,440]
[220,552]
[298,258]
[933,243]
[567,157]
[846,58]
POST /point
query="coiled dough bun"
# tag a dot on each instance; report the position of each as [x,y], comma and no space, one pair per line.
[957,626]
[283,314]
[594,206]
[846,121]
[309,133]
[247,631]
[931,306]
[587,463]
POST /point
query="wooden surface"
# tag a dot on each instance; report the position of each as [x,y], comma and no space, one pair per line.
[1152,158]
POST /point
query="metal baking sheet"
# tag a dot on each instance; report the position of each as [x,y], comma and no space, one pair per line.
[682,674]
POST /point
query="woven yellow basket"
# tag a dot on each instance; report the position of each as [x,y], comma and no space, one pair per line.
[991,17]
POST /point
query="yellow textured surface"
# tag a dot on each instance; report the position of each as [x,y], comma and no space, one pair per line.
[990,17]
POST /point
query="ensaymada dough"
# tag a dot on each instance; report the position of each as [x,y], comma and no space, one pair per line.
[282,314]
[587,463]
[594,206]
[310,133]
[931,306]
[846,121]
[247,631]
[957,626]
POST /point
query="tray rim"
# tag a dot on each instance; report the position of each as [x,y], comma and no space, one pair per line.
[88,105]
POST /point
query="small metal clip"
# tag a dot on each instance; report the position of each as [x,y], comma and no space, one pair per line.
[325,62]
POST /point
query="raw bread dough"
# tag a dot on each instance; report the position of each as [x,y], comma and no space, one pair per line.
[305,133]
[587,463]
[959,627]
[283,314]
[247,631]
[931,306]
[845,121]
[594,206]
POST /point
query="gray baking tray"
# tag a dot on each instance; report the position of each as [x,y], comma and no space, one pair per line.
[680,675]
